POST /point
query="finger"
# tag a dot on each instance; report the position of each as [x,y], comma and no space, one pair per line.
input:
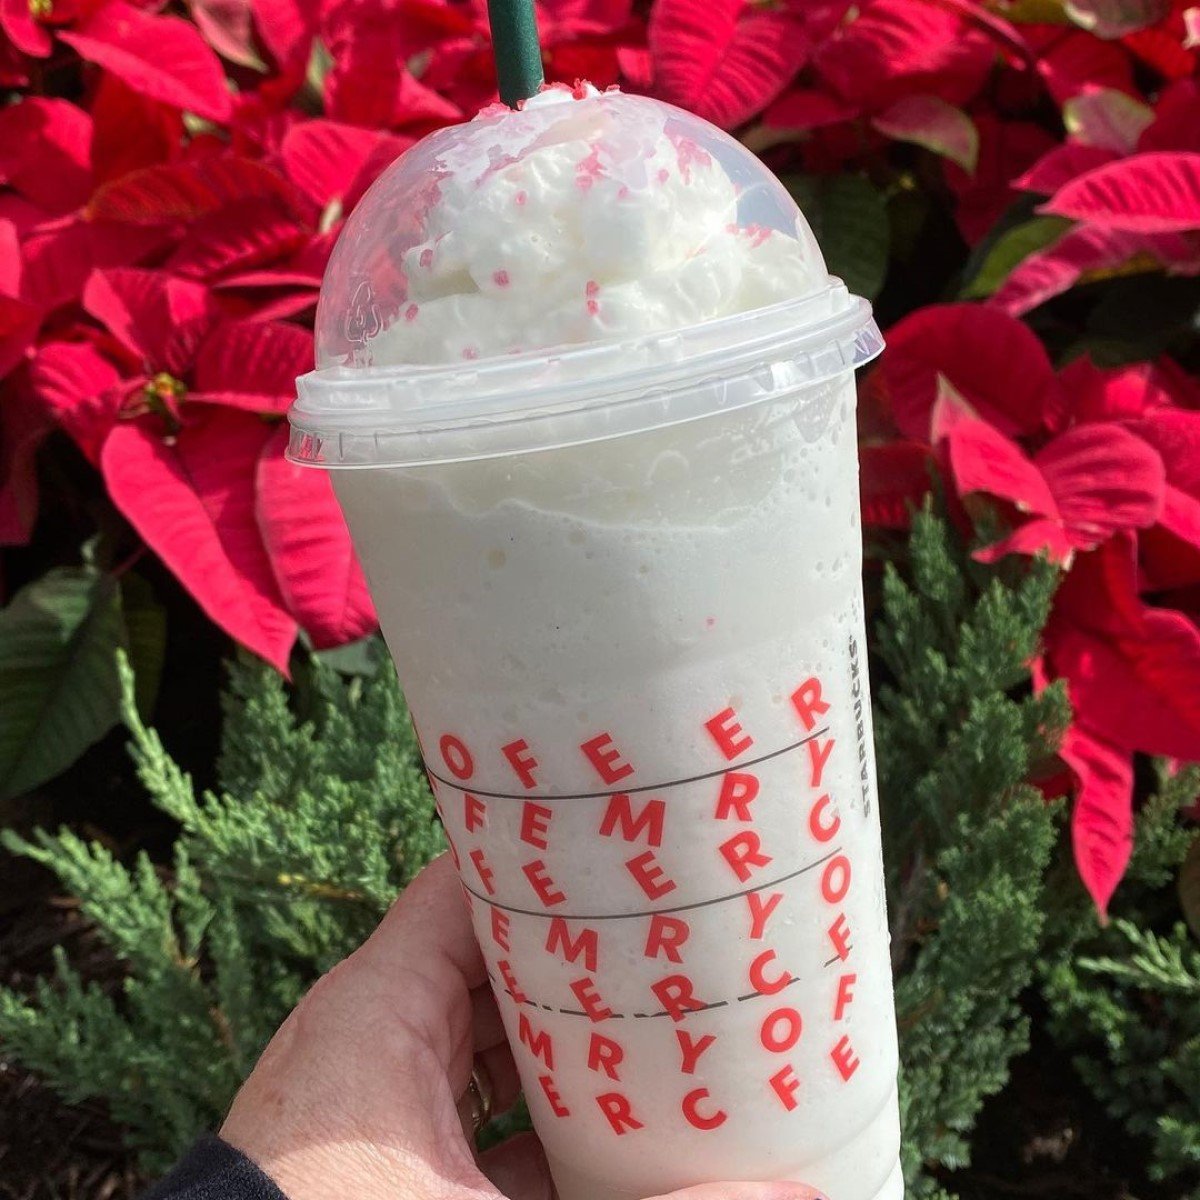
[501,1069]
[746,1191]
[518,1168]
[429,929]
[487,1024]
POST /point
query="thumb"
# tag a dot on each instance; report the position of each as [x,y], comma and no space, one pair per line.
[746,1191]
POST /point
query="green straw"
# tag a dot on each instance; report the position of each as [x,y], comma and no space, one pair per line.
[516,49]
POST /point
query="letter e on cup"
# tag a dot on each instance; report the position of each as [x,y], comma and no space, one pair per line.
[606,758]
[731,739]
[556,1105]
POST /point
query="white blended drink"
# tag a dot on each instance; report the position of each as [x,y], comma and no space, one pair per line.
[590,390]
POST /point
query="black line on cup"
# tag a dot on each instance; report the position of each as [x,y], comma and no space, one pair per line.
[460,786]
[755,995]
[838,957]
[650,912]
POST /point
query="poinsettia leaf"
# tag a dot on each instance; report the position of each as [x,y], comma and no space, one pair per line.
[156,315]
[1041,535]
[983,460]
[1133,671]
[27,34]
[1077,61]
[228,27]
[1059,165]
[1009,250]
[313,558]
[164,58]
[286,27]
[1175,126]
[1103,478]
[1149,193]
[186,191]
[1082,255]
[252,365]
[194,505]
[995,362]
[894,479]
[44,152]
[893,48]
[239,237]
[131,131]
[59,687]
[849,219]
[725,60]
[325,158]
[1120,394]
[79,387]
[18,327]
[930,122]
[807,108]
[1116,18]
[1107,118]
[22,427]
[1102,819]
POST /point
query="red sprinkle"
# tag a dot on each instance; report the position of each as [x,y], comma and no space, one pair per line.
[623,192]
[591,291]
[663,175]
[410,313]
[426,259]
[521,197]
[470,352]
[500,278]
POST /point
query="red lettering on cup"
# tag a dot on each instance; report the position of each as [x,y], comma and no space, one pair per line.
[695,1117]
[620,812]
[676,993]
[593,1005]
[731,739]
[500,928]
[818,756]
[456,756]
[760,910]
[649,876]
[619,1112]
[806,700]
[835,879]
[844,1058]
[743,852]
[758,980]
[738,790]
[474,812]
[486,874]
[605,1055]
[692,1048]
[558,941]
[557,1107]
[822,823]
[545,887]
[667,934]
[606,758]
[786,1086]
[845,994]
[839,935]
[535,824]
[540,1044]
[510,981]
[780,1030]
[453,850]
[521,761]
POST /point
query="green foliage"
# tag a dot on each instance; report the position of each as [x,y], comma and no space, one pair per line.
[968,841]
[1126,998]
[323,815]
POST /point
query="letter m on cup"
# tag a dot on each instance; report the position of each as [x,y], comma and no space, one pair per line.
[648,821]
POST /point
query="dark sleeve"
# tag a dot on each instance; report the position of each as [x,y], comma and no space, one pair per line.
[214,1170]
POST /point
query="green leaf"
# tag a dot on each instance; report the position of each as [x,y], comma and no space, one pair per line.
[145,638]
[1011,249]
[930,122]
[59,688]
[850,221]
[354,658]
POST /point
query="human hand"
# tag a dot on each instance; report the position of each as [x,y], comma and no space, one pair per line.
[361,1093]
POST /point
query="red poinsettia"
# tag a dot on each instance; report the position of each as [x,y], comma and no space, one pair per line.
[1086,466]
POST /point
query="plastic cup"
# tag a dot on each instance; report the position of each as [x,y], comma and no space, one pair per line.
[621,582]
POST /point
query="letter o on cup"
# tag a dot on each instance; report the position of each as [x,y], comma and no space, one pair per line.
[780,1030]
[456,756]
[835,879]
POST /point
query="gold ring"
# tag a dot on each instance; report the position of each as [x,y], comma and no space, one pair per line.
[482,1093]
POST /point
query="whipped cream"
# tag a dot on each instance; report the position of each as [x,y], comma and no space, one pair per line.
[581,218]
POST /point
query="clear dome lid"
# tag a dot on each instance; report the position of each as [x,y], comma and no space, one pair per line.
[560,246]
